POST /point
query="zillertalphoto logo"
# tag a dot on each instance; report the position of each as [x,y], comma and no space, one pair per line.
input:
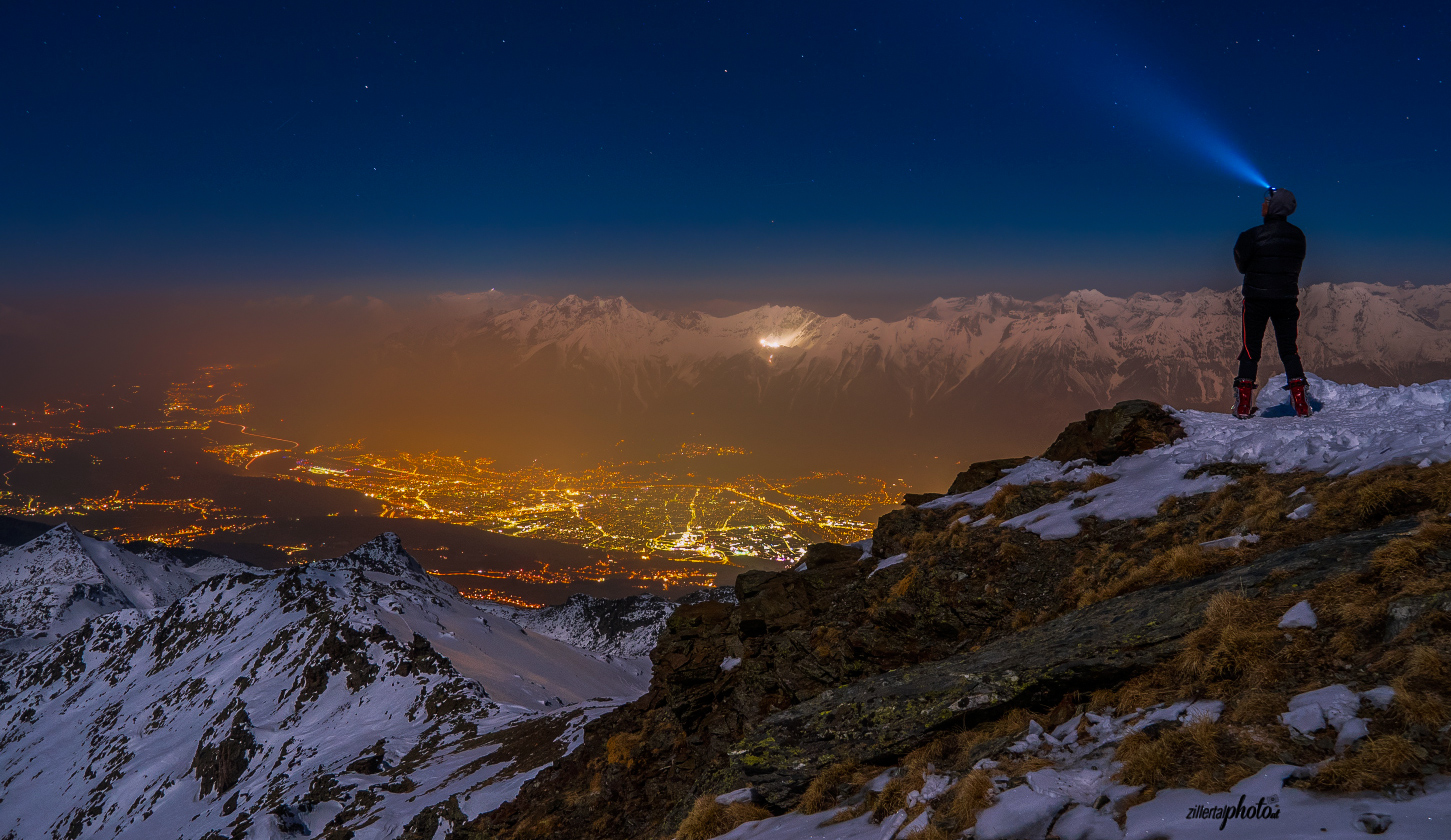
[1265,809]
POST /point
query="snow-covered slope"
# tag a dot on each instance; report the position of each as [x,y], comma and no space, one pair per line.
[352,693]
[616,629]
[522,669]
[623,628]
[1355,428]
[57,581]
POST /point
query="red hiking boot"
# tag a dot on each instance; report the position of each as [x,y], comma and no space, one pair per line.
[1244,398]
[1297,397]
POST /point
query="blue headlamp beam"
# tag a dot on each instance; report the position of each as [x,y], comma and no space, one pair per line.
[1078,45]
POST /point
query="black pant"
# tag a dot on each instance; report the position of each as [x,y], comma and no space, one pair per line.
[1285,312]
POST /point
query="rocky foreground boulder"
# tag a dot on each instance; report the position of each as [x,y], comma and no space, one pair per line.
[1106,435]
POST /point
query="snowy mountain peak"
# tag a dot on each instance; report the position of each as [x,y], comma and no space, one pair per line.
[62,578]
[384,553]
[56,556]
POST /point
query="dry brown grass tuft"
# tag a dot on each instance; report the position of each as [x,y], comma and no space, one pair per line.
[1397,558]
[1015,721]
[1419,707]
[1185,561]
[1374,501]
[822,792]
[998,504]
[1238,637]
[968,798]
[1377,762]
[1434,532]
[621,747]
[1256,502]
[1372,498]
[1097,480]
[1176,563]
[1013,500]
[939,753]
[1205,755]
[708,818]
[1425,667]
[1258,706]
[1146,760]
[1141,693]
[893,797]
[1022,766]
[904,586]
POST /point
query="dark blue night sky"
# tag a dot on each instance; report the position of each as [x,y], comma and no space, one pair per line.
[715,149]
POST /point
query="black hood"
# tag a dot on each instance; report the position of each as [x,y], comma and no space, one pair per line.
[1282,203]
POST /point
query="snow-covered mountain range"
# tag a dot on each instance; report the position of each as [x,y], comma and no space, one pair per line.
[969,378]
[1164,345]
[353,694]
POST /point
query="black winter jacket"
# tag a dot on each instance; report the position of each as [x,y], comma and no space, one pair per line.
[1269,257]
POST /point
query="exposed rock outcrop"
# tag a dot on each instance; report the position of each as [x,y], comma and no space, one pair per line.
[983,473]
[1105,435]
[879,719]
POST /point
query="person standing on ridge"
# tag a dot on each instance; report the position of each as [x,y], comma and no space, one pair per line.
[1269,256]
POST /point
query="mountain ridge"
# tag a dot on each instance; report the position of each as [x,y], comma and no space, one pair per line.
[964,379]
[951,339]
[357,696]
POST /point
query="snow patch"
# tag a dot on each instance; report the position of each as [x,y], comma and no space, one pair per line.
[1380,696]
[1231,541]
[1020,813]
[1263,808]
[888,561]
[744,794]
[916,826]
[1300,615]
